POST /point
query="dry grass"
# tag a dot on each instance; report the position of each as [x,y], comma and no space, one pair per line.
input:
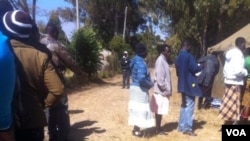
[99,112]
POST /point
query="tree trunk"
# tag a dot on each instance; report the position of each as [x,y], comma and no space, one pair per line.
[204,41]
[116,23]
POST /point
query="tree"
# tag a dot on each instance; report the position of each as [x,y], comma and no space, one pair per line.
[107,17]
[205,21]
[26,6]
[86,48]
[54,19]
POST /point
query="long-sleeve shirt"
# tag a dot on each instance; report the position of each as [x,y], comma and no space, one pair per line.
[186,67]
[60,56]
[162,77]
[234,71]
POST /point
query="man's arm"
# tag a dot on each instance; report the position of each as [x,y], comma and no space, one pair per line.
[53,83]
[68,60]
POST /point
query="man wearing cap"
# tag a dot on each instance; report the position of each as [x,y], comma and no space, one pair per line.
[40,85]
[125,61]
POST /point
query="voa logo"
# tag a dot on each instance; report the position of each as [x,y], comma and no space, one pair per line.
[236,132]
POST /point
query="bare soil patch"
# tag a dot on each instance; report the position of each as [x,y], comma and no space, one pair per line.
[98,112]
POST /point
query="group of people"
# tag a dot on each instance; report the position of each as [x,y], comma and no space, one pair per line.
[141,105]
[32,81]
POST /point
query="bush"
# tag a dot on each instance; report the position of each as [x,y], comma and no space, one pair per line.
[87,50]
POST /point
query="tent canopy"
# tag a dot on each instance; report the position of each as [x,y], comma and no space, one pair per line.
[223,46]
[229,42]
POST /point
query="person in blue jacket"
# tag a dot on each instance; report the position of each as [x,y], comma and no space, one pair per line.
[186,68]
[7,79]
[139,111]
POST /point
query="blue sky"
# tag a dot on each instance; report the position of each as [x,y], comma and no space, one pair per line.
[68,27]
[49,5]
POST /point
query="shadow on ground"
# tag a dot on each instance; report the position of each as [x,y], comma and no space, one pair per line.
[171,126]
[75,111]
[80,131]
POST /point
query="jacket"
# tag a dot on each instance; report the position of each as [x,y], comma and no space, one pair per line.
[162,77]
[209,70]
[234,71]
[41,86]
[186,67]
[140,73]
[60,56]
[125,61]
[7,82]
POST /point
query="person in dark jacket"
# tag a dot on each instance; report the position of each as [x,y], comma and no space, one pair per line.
[210,67]
[125,61]
[40,85]
[58,116]
[186,68]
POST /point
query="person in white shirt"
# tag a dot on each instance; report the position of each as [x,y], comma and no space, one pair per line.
[234,76]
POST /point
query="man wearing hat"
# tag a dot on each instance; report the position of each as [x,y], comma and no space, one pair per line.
[125,61]
[40,85]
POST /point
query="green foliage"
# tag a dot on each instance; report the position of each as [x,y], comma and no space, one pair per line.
[87,50]
[107,16]
[114,64]
[54,19]
[118,45]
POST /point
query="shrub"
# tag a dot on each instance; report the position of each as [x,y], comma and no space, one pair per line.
[87,50]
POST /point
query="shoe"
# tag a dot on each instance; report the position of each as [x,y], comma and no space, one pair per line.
[161,133]
[137,133]
[190,133]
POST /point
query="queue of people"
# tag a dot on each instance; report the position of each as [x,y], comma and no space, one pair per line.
[33,79]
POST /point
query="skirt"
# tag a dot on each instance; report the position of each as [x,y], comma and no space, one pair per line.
[159,104]
[246,95]
[230,107]
[138,108]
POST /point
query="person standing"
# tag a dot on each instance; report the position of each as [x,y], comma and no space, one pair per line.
[234,76]
[210,67]
[125,61]
[58,116]
[7,78]
[186,68]
[162,86]
[246,93]
[40,85]
[138,106]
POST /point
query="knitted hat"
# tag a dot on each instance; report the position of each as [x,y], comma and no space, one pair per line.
[4,7]
[141,50]
[18,24]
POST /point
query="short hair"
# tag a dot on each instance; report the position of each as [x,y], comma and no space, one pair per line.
[239,41]
[161,48]
[186,42]
[52,30]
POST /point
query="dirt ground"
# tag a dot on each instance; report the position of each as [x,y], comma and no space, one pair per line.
[98,112]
